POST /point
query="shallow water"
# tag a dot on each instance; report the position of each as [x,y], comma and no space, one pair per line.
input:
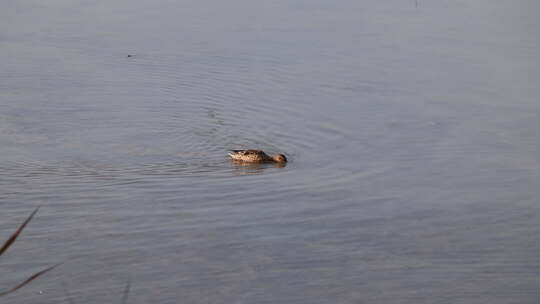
[412,130]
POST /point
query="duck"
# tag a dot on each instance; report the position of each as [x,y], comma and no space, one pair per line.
[256,156]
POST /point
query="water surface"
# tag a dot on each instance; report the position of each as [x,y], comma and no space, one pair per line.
[412,130]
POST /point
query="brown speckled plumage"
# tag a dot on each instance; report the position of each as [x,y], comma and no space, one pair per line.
[256,156]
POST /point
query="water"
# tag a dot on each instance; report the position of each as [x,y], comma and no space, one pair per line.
[412,130]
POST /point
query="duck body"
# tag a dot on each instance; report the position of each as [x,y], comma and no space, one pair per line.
[256,156]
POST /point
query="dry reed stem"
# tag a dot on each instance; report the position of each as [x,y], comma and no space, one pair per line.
[10,242]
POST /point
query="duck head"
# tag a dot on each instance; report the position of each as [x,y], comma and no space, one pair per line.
[279,158]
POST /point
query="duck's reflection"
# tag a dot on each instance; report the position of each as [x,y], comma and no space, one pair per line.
[242,167]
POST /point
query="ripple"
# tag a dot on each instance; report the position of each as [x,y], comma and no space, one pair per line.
[161,125]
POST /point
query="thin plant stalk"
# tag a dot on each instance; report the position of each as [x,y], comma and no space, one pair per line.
[10,242]
[14,236]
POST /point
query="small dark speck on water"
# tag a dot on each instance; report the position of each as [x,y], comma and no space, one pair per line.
[129,55]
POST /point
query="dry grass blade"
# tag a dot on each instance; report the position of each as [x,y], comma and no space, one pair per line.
[30,279]
[14,236]
[126,292]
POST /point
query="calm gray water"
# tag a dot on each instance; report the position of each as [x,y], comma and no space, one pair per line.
[412,129]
